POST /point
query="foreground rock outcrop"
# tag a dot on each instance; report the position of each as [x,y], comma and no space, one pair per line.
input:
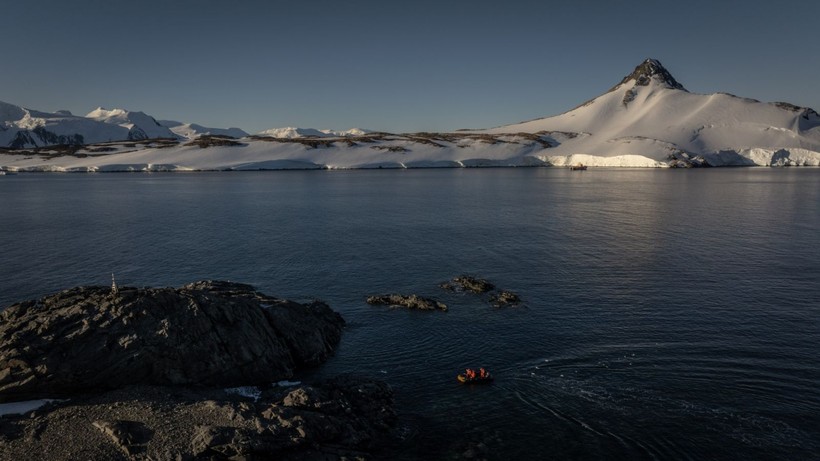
[343,418]
[210,333]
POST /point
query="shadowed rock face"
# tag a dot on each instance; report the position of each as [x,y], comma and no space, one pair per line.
[204,334]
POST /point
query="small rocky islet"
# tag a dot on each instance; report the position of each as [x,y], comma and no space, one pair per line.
[412,301]
[145,372]
[460,284]
[477,285]
[468,283]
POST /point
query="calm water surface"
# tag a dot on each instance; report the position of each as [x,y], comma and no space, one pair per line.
[668,314]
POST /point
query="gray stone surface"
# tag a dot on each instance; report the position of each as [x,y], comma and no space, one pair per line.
[346,417]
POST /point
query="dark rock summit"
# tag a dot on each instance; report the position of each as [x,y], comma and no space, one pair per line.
[210,333]
[646,71]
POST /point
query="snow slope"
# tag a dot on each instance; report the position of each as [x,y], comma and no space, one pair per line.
[261,153]
[193,130]
[139,124]
[651,115]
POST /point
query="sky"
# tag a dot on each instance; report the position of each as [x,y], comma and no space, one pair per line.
[390,65]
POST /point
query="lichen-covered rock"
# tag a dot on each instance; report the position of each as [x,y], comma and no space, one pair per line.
[207,333]
[408,301]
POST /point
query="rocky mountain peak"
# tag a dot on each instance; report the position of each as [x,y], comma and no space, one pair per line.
[652,69]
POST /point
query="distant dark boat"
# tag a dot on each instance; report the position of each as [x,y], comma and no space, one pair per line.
[579,167]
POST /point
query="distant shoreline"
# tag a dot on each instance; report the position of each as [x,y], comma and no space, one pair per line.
[26,171]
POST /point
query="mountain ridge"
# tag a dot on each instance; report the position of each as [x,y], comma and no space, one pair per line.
[295,132]
[195,130]
[649,119]
[139,124]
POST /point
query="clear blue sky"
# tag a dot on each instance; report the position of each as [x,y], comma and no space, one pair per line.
[392,66]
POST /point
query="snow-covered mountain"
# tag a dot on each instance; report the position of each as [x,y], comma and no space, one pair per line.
[21,127]
[650,114]
[138,124]
[193,130]
[24,128]
[648,119]
[293,132]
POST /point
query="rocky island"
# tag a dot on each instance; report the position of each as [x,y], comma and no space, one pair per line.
[412,301]
[477,285]
[144,373]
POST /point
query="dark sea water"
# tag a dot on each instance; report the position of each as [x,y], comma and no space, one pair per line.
[668,314]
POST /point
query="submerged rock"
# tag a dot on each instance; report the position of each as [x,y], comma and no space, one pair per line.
[468,283]
[343,418]
[208,333]
[408,301]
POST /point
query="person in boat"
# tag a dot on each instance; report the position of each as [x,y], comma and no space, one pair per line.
[482,373]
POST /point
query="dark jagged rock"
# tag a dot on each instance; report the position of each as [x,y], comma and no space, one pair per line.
[208,333]
[806,113]
[646,71]
[25,138]
[408,301]
[468,283]
[346,417]
[504,298]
